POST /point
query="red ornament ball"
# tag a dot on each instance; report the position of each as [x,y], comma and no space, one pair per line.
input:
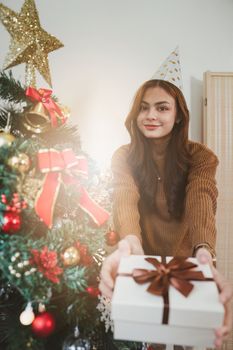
[11,222]
[43,324]
[112,238]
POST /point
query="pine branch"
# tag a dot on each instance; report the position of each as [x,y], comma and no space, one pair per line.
[63,135]
[59,138]
[75,278]
[11,89]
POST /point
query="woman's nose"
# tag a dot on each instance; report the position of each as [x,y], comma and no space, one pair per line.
[152,114]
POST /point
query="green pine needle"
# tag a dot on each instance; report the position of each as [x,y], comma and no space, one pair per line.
[11,89]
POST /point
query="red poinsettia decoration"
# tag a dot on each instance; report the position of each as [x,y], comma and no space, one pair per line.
[46,261]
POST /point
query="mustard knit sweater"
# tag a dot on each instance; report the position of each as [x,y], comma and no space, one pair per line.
[161,234]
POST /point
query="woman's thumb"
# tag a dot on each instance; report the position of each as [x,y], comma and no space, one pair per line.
[124,247]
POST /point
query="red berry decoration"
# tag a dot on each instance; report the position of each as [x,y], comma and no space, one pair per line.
[93,291]
[112,238]
[43,324]
[15,204]
[86,258]
[11,222]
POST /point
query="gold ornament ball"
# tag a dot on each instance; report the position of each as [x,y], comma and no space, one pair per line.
[71,256]
[6,139]
[21,162]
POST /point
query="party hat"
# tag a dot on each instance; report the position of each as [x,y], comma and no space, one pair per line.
[170,69]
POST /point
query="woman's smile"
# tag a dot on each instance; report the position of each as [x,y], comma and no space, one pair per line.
[151,127]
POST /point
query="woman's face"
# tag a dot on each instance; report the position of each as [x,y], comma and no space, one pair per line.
[157,113]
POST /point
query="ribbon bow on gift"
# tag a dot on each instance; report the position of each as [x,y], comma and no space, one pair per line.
[177,272]
[44,96]
[63,167]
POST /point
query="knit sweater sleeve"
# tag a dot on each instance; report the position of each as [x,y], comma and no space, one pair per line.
[201,197]
[125,196]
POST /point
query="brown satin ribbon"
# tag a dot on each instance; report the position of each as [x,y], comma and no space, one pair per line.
[177,272]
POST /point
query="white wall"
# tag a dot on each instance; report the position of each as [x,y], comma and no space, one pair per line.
[113,46]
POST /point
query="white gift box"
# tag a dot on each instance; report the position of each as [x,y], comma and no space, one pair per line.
[137,314]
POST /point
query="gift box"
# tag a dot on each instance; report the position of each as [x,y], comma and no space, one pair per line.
[166,302]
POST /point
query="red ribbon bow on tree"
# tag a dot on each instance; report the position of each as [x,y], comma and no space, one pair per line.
[44,96]
[58,167]
[177,272]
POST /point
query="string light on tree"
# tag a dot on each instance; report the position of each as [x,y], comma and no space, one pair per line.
[27,316]
[41,308]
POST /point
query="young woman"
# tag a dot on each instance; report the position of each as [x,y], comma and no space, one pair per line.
[165,189]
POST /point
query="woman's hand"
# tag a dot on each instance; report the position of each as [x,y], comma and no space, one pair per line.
[203,256]
[226,294]
[128,245]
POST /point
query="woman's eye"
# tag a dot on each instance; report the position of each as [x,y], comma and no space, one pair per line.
[162,109]
[143,108]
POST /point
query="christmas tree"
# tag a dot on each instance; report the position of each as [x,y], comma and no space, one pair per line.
[54,209]
[52,231]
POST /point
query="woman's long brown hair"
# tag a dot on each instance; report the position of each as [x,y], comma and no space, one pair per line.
[176,162]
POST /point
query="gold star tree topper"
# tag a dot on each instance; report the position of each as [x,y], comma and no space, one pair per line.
[30,43]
